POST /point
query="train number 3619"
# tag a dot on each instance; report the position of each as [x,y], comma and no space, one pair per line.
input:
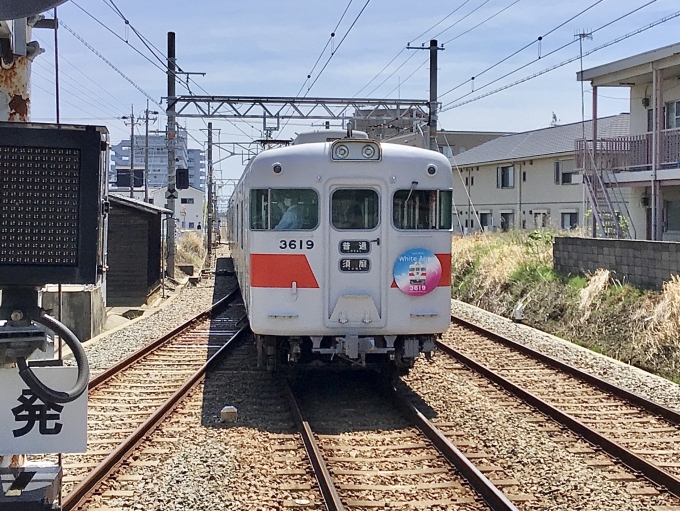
[296,244]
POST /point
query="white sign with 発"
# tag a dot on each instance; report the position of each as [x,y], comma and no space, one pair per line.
[28,425]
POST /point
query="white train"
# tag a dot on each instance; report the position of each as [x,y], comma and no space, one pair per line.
[342,248]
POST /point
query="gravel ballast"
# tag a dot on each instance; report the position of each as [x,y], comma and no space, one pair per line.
[626,376]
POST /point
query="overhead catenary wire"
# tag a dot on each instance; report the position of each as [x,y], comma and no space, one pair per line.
[330,39]
[338,46]
[117,111]
[404,49]
[539,39]
[98,54]
[159,55]
[569,61]
[481,22]
[461,19]
[454,38]
[79,108]
[439,22]
[573,41]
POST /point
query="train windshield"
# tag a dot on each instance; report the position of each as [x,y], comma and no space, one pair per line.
[355,209]
[422,209]
[284,209]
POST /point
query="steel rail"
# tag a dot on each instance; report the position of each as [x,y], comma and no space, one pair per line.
[490,493]
[323,475]
[648,405]
[86,487]
[633,461]
[112,371]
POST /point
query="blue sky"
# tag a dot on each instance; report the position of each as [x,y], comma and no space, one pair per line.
[267,48]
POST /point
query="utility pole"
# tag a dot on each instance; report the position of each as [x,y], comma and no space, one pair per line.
[171,194]
[132,149]
[211,212]
[147,113]
[433,104]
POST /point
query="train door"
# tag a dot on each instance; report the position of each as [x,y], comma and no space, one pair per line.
[356,292]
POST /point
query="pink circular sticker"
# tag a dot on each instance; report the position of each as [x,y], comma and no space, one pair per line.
[417,271]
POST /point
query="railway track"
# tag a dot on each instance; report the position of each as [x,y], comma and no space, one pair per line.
[367,453]
[129,400]
[643,435]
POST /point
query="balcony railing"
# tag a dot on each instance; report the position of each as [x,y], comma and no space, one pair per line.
[629,153]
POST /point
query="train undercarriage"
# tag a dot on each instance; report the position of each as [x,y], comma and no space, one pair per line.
[343,352]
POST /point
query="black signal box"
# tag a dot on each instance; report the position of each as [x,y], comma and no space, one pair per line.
[52,189]
[182,179]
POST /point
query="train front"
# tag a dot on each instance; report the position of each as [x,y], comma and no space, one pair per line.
[354,266]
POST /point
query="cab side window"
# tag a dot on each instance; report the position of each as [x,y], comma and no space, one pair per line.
[422,209]
[284,209]
[355,209]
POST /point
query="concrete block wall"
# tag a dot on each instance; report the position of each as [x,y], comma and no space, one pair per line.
[642,263]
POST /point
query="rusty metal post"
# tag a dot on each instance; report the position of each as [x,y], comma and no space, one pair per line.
[15,100]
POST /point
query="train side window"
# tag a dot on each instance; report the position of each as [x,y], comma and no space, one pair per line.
[259,209]
[284,209]
[445,205]
[422,209]
[355,209]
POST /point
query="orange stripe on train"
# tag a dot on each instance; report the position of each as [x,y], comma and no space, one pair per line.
[445,280]
[281,270]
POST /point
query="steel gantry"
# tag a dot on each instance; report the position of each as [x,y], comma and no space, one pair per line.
[252,107]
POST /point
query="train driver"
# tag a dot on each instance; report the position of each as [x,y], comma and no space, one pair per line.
[292,215]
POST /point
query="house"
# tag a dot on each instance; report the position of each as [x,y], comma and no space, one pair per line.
[448,142]
[524,180]
[189,207]
[643,164]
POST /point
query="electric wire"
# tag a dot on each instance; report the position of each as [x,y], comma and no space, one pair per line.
[522,48]
[118,36]
[481,22]
[461,19]
[64,59]
[338,46]
[564,63]
[439,22]
[79,108]
[77,94]
[93,50]
[162,58]
[79,86]
[547,54]
[332,36]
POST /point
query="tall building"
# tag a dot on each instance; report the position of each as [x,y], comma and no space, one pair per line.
[197,170]
[193,159]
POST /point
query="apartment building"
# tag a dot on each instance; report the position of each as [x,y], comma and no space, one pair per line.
[643,164]
[192,159]
[525,180]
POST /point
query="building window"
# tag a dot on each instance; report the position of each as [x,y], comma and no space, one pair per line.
[505,177]
[672,215]
[191,225]
[446,151]
[569,221]
[472,180]
[564,172]
[189,200]
[524,176]
[541,219]
[672,113]
[507,220]
[486,221]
